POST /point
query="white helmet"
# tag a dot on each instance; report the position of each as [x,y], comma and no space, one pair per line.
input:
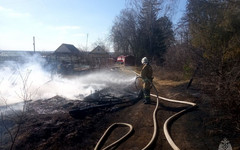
[144,60]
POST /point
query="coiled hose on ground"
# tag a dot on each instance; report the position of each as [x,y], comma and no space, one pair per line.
[108,132]
[173,117]
[165,127]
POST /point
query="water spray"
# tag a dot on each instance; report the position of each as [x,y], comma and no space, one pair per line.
[44,85]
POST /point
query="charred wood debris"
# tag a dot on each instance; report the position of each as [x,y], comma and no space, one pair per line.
[103,101]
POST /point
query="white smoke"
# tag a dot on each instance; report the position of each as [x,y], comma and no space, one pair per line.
[32,81]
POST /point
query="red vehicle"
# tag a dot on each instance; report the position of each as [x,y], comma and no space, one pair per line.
[127,60]
[121,59]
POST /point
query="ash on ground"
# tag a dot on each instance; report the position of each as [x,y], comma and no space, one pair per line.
[58,104]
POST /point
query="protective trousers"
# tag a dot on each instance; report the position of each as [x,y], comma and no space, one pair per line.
[146,90]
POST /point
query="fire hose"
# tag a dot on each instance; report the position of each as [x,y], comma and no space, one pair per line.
[165,127]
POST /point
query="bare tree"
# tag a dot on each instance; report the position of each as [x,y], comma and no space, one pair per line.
[104,44]
[124,32]
[16,116]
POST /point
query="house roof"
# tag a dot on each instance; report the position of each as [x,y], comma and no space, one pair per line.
[67,48]
[98,50]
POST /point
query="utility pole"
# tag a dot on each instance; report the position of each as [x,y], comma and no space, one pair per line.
[34,44]
[87,41]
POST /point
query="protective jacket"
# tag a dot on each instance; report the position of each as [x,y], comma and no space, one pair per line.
[147,76]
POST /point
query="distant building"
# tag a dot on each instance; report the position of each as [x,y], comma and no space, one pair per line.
[68,53]
[66,50]
[67,58]
[99,57]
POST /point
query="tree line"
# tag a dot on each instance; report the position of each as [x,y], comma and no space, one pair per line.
[140,31]
[214,36]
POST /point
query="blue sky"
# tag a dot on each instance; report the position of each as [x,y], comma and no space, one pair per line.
[54,22]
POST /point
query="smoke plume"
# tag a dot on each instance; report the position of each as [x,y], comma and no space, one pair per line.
[33,79]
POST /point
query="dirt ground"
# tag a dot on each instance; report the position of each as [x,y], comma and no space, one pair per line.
[191,131]
[188,132]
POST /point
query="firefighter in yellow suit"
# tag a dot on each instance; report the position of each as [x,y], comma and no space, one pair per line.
[147,77]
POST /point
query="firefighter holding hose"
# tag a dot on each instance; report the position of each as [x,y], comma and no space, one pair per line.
[147,77]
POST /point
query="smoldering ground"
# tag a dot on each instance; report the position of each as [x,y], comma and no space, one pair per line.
[33,80]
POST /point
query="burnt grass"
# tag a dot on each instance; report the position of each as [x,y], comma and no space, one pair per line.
[59,123]
[58,131]
[48,125]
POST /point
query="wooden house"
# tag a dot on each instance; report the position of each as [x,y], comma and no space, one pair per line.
[68,57]
[68,53]
[99,57]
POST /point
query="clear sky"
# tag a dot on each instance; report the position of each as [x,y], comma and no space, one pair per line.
[54,22]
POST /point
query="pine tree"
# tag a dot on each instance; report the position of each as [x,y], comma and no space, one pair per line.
[148,22]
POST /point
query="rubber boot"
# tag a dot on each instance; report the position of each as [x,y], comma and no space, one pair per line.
[147,101]
[147,96]
[140,94]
